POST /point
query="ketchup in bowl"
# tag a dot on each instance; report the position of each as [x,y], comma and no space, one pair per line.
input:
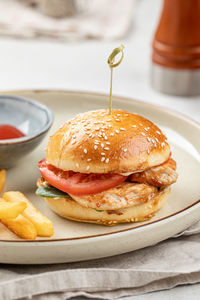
[9,132]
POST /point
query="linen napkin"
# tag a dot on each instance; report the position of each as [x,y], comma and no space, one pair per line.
[172,262]
[103,19]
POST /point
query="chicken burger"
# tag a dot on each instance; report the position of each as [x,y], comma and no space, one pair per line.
[107,168]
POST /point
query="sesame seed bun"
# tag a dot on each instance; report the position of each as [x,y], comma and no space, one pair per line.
[96,142]
[70,209]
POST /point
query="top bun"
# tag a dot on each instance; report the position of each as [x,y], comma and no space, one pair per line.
[96,142]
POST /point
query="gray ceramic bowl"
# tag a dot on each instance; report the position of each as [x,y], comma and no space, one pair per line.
[32,118]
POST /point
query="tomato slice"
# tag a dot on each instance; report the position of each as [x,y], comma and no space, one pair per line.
[77,183]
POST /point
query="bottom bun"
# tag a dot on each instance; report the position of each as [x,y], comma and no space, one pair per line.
[70,209]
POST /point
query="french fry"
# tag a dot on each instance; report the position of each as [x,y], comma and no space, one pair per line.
[42,224]
[2,179]
[21,226]
[11,210]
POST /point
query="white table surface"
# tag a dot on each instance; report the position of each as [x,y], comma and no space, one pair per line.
[82,66]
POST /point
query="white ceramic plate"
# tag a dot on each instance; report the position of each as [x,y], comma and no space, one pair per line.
[75,241]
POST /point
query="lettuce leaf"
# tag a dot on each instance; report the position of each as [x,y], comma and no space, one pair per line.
[50,192]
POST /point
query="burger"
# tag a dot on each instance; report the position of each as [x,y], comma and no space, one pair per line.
[107,168]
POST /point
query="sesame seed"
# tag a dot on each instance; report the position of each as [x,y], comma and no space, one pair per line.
[97,129]
[73,136]
[109,125]
[162,145]
[117,120]
[146,129]
[111,134]
[90,134]
[156,140]
[125,150]
[117,131]
[85,151]
[102,145]
[142,133]
[73,142]
[99,135]
[105,137]
[107,143]
[148,139]
[96,142]
[95,147]
[89,159]
[88,167]
[148,151]
[158,132]
[134,126]
[102,159]
[153,141]
[107,160]
[102,153]
[126,115]
[109,120]
[123,129]
[118,115]
[140,124]
[106,148]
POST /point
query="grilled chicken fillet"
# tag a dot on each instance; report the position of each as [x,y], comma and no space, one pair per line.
[160,176]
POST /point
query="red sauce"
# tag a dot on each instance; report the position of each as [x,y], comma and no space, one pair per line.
[9,132]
